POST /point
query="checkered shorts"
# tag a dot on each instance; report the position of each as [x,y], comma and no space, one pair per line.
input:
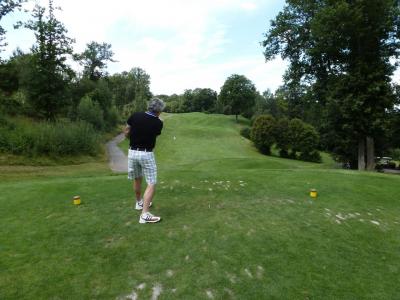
[141,163]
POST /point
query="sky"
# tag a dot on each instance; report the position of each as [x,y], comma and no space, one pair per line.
[181,44]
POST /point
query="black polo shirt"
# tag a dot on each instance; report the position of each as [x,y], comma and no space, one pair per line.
[144,129]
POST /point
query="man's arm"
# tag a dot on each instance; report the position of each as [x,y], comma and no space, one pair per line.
[160,128]
[127,130]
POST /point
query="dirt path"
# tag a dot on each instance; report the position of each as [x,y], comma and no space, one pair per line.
[118,161]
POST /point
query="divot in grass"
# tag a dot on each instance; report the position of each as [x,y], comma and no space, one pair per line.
[260,272]
[248,273]
[231,277]
[131,296]
[209,294]
[229,292]
[141,286]
[157,290]
[170,273]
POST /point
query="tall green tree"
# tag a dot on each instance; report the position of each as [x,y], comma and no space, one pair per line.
[343,51]
[141,85]
[204,100]
[131,90]
[237,94]
[94,60]
[49,75]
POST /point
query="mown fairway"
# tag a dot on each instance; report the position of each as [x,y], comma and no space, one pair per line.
[236,225]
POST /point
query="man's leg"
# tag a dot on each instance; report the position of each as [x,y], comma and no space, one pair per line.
[137,186]
[148,197]
[150,173]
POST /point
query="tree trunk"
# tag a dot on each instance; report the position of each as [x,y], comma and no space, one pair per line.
[236,118]
[370,154]
[361,154]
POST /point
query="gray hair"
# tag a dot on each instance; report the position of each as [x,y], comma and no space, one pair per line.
[156,105]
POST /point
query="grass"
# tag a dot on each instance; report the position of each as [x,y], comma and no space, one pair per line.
[236,224]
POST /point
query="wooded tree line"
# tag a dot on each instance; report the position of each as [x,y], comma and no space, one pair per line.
[42,85]
[341,57]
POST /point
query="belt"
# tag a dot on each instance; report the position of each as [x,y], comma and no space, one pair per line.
[141,149]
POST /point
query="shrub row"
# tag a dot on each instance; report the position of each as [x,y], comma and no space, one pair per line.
[294,138]
[45,138]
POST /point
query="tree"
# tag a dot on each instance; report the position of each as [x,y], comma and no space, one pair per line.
[94,60]
[342,50]
[268,103]
[204,100]
[49,75]
[6,7]
[131,90]
[237,94]
[141,85]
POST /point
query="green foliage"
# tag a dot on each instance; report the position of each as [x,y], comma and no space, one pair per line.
[91,112]
[9,77]
[48,138]
[48,75]
[296,127]
[282,136]
[303,138]
[140,103]
[204,100]
[309,139]
[172,104]
[395,154]
[94,60]
[127,110]
[313,156]
[113,117]
[262,133]
[237,94]
[131,90]
[268,103]
[341,56]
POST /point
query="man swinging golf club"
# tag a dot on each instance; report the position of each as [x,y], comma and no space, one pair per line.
[142,130]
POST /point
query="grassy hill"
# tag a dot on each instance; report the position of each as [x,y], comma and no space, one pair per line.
[236,225]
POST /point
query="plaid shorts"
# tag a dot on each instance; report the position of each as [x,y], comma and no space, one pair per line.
[141,163]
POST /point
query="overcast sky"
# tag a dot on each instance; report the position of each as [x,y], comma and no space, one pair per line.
[181,44]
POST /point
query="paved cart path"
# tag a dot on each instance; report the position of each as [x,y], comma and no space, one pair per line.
[118,161]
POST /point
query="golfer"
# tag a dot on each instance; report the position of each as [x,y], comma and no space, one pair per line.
[142,129]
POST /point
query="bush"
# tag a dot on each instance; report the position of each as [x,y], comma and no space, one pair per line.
[50,139]
[91,112]
[245,132]
[262,133]
[282,137]
[304,139]
[309,139]
[295,135]
[395,154]
[312,156]
[112,117]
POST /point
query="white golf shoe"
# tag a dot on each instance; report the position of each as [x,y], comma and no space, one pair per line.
[148,218]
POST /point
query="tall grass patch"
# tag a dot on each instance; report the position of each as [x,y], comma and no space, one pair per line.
[62,138]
